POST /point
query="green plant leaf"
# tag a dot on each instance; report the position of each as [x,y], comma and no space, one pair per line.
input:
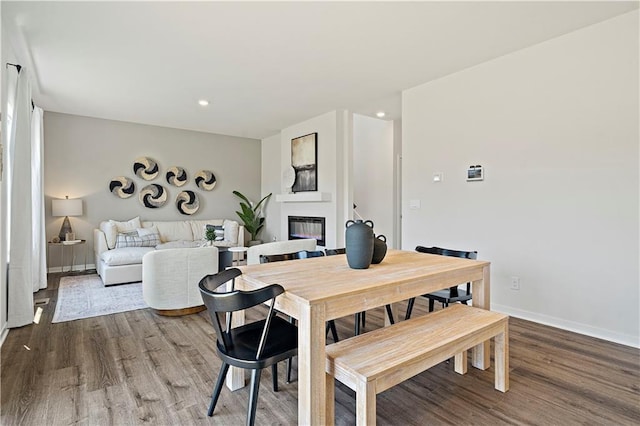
[251,215]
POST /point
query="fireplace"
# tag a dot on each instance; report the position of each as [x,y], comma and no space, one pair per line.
[307,227]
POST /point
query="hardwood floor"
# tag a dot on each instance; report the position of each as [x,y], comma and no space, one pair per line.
[137,367]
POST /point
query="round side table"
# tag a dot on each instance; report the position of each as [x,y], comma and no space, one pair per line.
[235,250]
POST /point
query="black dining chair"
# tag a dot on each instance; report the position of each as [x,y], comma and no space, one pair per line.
[446,296]
[252,346]
[360,317]
[303,254]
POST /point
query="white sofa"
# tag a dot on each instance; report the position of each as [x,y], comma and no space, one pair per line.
[117,265]
[278,247]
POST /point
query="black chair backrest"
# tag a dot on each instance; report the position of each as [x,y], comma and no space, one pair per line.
[306,254]
[303,254]
[448,252]
[333,252]
[268,258]
[223,302]
[453,253]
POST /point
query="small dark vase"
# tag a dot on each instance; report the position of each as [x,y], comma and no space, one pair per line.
[359,243]
[379,249]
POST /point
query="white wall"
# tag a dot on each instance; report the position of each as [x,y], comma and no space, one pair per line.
[556,128]
[334,172]
[373,173]
[3,266]
[83,154]
[271,183]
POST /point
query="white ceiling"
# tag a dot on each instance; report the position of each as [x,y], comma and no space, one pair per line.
[264,66]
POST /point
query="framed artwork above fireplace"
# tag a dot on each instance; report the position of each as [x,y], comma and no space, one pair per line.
[304,160]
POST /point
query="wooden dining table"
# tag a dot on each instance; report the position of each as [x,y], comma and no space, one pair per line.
[324,288]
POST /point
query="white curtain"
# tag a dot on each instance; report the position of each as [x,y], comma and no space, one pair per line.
[20,282]
[39,244]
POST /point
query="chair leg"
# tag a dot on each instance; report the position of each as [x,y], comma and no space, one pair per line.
[409,308]
[364,318]
[431,303]
[334,332]
[274,373]
[356,331]
[390,314]
[289,368]
[253,397]
[218,387]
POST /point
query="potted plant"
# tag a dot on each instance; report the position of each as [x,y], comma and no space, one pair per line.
[210,235]
[251,216]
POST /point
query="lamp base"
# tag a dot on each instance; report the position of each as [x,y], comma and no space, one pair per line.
[66,228]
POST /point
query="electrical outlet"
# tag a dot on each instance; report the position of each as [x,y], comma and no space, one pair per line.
[515,283]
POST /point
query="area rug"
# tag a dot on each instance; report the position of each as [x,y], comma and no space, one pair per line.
[84,296]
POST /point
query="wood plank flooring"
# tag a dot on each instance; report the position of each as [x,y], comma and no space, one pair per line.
[138,368]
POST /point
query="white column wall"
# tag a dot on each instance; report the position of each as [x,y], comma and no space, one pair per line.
[373,168]
[271,183]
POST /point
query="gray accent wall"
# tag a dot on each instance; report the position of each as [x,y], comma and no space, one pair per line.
[83,154]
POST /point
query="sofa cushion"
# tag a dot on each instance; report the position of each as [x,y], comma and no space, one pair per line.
[124,256]
[172,230]
[179,244]
[134,240]
[148,231]
[231,228]
[224,243]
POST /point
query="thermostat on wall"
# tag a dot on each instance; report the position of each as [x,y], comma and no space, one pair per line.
[475,173]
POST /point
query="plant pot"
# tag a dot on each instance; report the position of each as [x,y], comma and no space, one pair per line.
[255,242]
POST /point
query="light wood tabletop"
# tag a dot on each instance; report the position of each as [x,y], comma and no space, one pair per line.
[323,288]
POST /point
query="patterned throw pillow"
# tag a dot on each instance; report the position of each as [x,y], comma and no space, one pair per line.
[218,230]
[133,240]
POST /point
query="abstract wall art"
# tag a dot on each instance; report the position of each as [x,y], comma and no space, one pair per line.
[176,176]
[145,168]
[187,202]
[205,180]
[122,187]
[304,155]
[153,196]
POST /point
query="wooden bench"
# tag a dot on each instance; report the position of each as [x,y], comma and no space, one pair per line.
[376,361]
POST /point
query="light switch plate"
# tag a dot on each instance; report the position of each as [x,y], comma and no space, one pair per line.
[414,204]
[438,177]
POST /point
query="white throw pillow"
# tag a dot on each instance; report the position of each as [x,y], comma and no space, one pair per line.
[231,228]
[110,233]
[148,231]
[128,226]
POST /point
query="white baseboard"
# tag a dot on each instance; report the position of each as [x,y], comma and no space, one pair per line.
[576,327]
[3,334]
[76,268]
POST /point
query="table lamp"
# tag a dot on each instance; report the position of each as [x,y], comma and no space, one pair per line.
[66,208]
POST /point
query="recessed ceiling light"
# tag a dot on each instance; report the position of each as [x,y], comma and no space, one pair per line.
[203,102]
[380,114]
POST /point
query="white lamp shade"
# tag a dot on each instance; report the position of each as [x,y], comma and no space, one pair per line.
[66,207]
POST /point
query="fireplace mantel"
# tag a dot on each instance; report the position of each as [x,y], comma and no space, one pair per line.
[304,197]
